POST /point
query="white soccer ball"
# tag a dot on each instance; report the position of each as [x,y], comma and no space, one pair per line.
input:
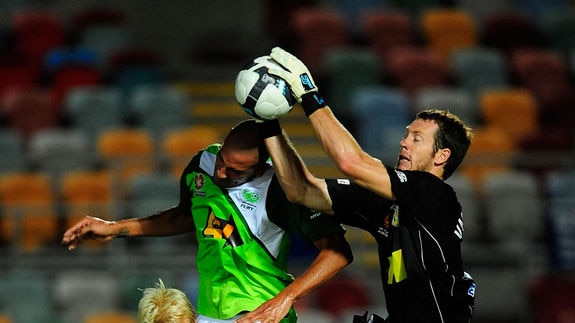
[262,95]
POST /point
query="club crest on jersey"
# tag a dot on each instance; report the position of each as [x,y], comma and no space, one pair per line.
[250,199]
[250,196]
[199,182]
[395,215]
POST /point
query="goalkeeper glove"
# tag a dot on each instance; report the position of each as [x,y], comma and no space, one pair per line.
[299,78]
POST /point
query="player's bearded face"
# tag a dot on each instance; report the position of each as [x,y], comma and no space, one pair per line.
[416,151]
[234,168]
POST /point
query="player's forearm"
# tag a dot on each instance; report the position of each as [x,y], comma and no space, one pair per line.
[299,185]
[289,167]
[327,264]
[163,223]
[336,140]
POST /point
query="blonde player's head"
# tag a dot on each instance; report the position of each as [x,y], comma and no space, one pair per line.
[165,305]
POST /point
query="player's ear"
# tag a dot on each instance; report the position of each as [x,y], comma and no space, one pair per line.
[441,156]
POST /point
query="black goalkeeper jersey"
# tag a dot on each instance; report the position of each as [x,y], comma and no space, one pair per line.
[419,240]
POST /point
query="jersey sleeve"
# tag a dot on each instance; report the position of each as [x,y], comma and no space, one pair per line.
[185,203]
[355,205]
[297,219]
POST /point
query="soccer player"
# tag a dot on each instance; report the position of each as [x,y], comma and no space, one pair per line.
[232,201]
[413,214]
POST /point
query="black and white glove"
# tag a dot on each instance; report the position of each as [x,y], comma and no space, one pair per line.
[299,78]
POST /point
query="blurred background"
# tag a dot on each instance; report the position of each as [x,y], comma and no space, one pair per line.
[102,104]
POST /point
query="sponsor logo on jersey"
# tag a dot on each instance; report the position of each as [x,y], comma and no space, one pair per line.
[471,290]
[221,229]
[343,181]
[401,176]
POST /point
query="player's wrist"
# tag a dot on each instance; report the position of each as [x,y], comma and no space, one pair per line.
[311,102]
[269,128]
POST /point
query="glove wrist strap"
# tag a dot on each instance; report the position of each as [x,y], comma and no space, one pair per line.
[269,128]
[311,102]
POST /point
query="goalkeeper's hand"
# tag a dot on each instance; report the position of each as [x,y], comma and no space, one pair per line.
[297,75]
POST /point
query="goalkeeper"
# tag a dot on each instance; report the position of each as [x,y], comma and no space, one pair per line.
[413,214]
[230,199]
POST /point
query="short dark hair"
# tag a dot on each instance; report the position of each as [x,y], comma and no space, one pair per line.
[453,134]
[246,135]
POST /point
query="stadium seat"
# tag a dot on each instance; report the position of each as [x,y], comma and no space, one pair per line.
[180,145]
[60,57]
[387,29]
[513,110]
[481,8]
[448,29]
[382,114]
[561,232]
[542,71]
[29,219]
[104,40]
[514,210]
[88,192]
[160,108]
[5,318]
[552,296]
[25,295]
[560,183]
[479,68]
[28,110]
[346,69]
[457,100]
[16,75]
[79,292]
[127,152]
[547,76]
[492,151]
[353,12]
[413,68]
[94,108]
[56,151]
[14,157]
[69,77]
[468,196]
[508,31]
[35,32]
[131,67]
[317,30]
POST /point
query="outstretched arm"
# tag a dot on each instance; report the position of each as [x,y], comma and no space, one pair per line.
[349,157]
[169,222]
[337,142]
[335,254]
[299,185]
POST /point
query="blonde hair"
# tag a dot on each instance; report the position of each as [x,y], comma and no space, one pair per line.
[165,305]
